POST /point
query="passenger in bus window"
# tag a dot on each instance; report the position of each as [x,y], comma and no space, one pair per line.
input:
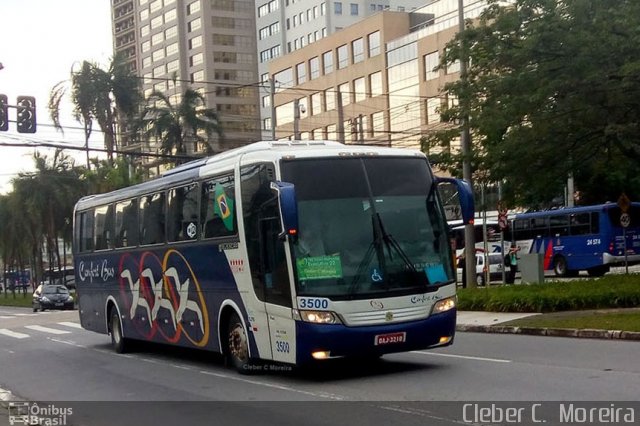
[310,242]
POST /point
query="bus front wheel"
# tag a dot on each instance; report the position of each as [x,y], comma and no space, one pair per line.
[237,344]
[560,266]
[118,341]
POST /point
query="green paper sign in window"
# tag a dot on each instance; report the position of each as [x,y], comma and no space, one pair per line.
[319,267]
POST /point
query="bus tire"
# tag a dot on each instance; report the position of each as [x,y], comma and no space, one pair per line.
[560,266]
[237,345]
[118,341]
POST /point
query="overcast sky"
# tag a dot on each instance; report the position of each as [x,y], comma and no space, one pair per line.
[40,40]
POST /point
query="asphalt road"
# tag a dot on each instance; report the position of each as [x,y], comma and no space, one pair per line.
[47,357]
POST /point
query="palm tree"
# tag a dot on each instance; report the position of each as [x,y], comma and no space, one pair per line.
[110,97]
[176,125]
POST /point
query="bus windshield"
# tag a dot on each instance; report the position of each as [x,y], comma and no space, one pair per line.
[367,227]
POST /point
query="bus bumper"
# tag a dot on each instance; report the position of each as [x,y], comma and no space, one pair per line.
[340,341]
[609,259]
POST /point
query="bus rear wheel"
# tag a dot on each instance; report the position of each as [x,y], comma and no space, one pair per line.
[560,266]
[237,345]
[118,341]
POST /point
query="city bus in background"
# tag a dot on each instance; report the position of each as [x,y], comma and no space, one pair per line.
[489,259]
[589,238]
[277,251]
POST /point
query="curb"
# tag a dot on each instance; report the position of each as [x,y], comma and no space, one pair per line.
[555,332]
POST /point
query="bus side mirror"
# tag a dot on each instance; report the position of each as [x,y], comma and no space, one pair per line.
[288,205]
[465,195]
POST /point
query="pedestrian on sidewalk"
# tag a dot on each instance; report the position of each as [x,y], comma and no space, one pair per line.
[511,260]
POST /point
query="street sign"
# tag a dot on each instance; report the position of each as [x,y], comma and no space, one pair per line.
[625,220]
[624,203]
[502,216]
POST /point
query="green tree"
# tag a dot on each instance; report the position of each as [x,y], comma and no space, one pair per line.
[552,90]
[110,97]
[174,126]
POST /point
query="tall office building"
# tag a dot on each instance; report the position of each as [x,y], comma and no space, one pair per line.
[374,82]
[208,45]
[285,26]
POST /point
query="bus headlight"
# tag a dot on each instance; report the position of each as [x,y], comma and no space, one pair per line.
[444,305]
[317,317]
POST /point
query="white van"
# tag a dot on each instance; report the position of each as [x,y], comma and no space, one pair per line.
[496,265]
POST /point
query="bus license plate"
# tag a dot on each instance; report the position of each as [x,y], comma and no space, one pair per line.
[385,339]
[59,304]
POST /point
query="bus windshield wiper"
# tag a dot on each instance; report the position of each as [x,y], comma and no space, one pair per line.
[391,243]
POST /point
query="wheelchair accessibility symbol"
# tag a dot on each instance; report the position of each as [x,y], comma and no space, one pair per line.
[375,276]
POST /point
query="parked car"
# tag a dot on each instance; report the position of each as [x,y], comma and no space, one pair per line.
[496,264]
[52,297]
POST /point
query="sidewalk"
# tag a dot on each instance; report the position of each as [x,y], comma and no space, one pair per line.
[492,322]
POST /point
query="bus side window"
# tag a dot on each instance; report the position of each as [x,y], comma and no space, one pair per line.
[84,226]
[182,213]
[126,231]
[103,227]
[152,219]
[218,207]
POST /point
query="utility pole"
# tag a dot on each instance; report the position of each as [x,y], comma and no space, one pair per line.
[465,145]
[340,115]
[296,119]
[272,92]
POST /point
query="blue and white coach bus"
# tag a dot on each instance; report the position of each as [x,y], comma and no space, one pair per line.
[281,251]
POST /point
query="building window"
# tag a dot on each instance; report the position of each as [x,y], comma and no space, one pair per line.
[172,49]
[158,55]
[155,6]
[193,7]
[327,60]
[337,8]
[146,62]
[453,67]
[354,9]
[196,60]
[314,68]
[197,76]
[144,31]
[146,46]
[171,32]
[316,103]
[374,43]
[357,47]
[156,22]
[144,14]
[194,25]
[375,84]
[343,56]
[431,61]
[433,110]
[377,123]
[284,79]
[170,16]
[301,72]
[359,89]
[157,39]
[345,93]
[329,99]
[195,42]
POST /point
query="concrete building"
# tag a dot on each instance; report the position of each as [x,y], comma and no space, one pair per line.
[373,82]
[208,45]
[285,26]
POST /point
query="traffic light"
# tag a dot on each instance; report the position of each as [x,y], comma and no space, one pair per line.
[4,113]
[26,114]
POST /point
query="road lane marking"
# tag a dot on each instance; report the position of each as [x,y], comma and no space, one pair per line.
[475,358]
[274,386]
[10,333]
[25,315]
[70,324]
[7,316]
[46,329]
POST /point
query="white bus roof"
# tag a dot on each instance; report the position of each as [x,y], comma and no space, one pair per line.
[265,151]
